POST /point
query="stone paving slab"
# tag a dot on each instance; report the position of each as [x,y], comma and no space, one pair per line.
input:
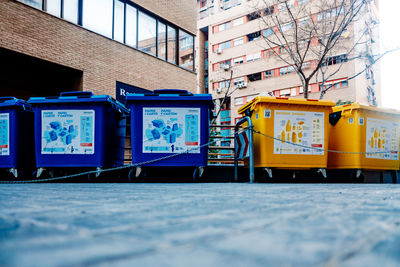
[200,225]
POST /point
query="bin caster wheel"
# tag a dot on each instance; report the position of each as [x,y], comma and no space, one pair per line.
[136,175]
[198,175]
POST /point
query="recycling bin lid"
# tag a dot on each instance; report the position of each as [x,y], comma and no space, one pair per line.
[79,97]
[284,100]
[169,94]
[9,101]
[356,105]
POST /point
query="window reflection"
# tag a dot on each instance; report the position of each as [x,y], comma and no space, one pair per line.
[130,34]
[147,33]
[70,11]
[119,21]
[185,50]
[162,32]
[97,16]
[35,3]
[171,45]
[54,7]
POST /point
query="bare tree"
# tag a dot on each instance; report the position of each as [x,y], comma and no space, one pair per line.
[314,38]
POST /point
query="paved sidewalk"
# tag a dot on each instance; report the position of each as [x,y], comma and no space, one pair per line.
[199,224]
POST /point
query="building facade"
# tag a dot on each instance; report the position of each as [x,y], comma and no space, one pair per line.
[49,46]
[239,58]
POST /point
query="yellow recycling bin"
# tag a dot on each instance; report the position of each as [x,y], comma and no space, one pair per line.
[287,131]
[373,133]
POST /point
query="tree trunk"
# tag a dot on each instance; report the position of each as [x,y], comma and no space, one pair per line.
[305,88]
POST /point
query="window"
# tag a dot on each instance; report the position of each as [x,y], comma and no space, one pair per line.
[224,84]
[238,41]
[286,70]
[54,7]
[238,81]
[131,21]
[238,22]
[304,21]
[268,32]
[269,52]
[253,16]
[287,26]
[186,50]
[225,63]
[162,40]
[224,26]
[171,45]
[253,36]
[306,65]
[97,16]
[253,57]
[293,92]
[238,60]
[302,2]
[119,21]
[254,77]
[34,3]
[269,11]
[147,33]
[335,60]
[225,45]
[268,74]
[282,6]
[70,11]
[284,92]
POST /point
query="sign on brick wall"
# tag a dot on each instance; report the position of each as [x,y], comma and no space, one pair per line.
[122,89]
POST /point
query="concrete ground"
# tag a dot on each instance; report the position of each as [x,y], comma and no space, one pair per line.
[200,225]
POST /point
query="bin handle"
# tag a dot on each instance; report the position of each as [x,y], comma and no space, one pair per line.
[172,92]
[347,112]
[79,94]
[5,98]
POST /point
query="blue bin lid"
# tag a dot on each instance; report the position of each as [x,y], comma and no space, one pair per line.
[169,94]
[79,97]
[9,101]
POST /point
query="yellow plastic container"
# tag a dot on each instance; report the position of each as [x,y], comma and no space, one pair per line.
[358,128]
[298,121]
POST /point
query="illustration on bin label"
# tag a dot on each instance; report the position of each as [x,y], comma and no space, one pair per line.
[171,130]
[4,134]
[68,131]
[382,136]
[301,128]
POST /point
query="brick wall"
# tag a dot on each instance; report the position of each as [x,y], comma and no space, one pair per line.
[103,61]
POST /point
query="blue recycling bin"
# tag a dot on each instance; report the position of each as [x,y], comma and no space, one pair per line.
[16,135]
[79,129]
[168,122]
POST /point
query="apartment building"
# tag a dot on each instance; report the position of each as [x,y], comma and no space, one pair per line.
[233,54]
[105,46]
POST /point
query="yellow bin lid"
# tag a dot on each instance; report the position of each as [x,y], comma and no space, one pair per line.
[284,100]
[354,106]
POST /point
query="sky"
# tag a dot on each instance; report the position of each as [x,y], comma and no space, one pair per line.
[390,38]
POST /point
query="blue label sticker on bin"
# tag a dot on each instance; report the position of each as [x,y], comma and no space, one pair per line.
[171,130]
[4,134]
[68,131]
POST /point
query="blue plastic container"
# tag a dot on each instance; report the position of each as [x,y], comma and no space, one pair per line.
[79,129]
[168,122]
[16,134]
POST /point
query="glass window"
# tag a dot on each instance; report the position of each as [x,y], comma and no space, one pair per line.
[268,74]
[186,50]
[287,26]
[225,45]
[97,16]
[119,21]
[130,30]
[239,101]
[238,22]
[238,60]
[238,41]
[162,39]
[345,84]
[171,45]
[70,11]
[35,3]
[54,7]
[147,33]
[268,32]
[238,81]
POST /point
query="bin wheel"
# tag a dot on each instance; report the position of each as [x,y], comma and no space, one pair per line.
[357,177]
[198,175]
[137,175]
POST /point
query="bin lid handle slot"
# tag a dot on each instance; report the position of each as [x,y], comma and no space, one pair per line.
[79,94]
